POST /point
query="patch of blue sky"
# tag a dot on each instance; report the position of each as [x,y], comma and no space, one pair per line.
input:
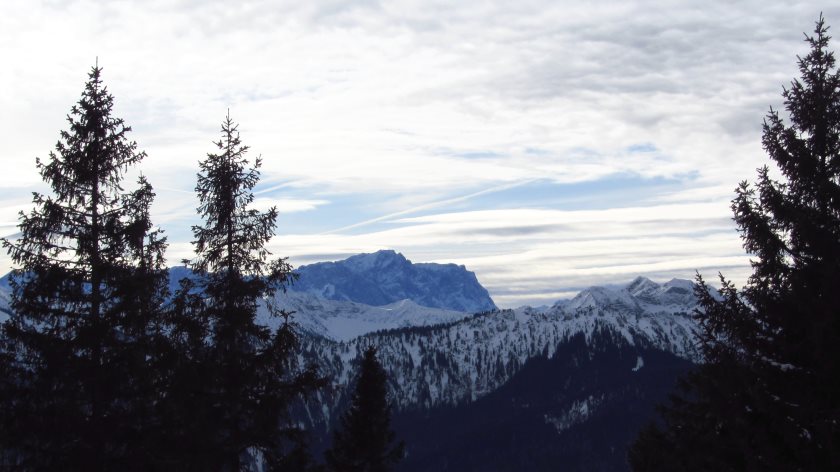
[478,155]
[536,151]
[270,185]
[180,230]
[16,195]
[364,213]
[642,148]
[467,154]
[337,212]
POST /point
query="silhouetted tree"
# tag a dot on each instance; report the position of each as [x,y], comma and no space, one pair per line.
[768,395]
[364,441]
[80,350]
[234,385]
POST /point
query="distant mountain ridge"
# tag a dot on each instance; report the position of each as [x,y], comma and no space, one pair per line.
[640,295]
[345,315]
[560,387]
[386,276]
[445,364]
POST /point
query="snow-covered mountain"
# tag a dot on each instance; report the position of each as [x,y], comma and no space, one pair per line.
[345,320]
[640,295]
[385,277]
[643,311]
[612,352]
[468,358]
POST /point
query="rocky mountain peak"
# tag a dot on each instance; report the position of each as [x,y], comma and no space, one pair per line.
[386,276]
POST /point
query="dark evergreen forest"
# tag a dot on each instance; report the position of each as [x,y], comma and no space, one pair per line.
[767,396]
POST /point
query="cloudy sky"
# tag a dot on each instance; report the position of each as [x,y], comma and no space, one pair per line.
[546,145]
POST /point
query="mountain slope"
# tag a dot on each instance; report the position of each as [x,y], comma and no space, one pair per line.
[578,410]
[345,320]
[465,360]
[619,350]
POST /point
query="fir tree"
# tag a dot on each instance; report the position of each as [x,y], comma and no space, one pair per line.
[768,395]
[364,441]
[237,380]
[80,383]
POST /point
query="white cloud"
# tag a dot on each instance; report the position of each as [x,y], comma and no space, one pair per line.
[417,105]
[287,205]
[529,254]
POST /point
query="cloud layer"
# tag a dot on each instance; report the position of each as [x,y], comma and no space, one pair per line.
[546,145]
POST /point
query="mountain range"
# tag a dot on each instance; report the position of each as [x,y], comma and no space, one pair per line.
[564,387]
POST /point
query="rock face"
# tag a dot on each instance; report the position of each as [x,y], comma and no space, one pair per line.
[385,277]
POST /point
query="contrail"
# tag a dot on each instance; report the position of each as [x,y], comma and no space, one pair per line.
[273,188]
[431,205]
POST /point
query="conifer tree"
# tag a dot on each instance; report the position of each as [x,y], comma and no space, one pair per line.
[768,395]
[80,383]
[364,441]
[237,380]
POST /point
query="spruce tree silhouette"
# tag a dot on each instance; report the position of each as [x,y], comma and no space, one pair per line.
[768,395]
[237,379]
[81,349]
[364,441]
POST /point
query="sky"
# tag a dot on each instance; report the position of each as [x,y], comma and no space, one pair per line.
[546,145]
